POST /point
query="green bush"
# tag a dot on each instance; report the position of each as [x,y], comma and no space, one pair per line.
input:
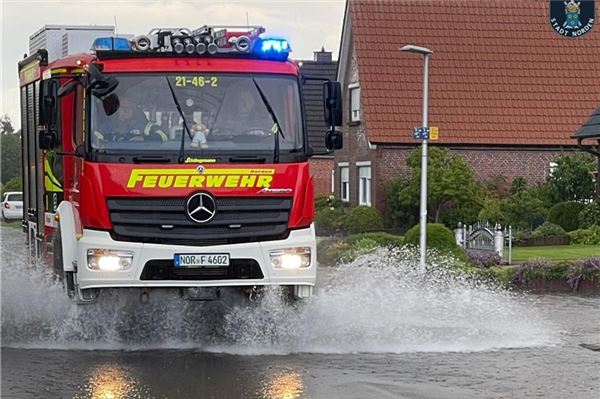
[566,214]
[323,201]
[589,236]
[328,221]
[362,219]
[381,238]
[590,215]
[548,230]
[438,236]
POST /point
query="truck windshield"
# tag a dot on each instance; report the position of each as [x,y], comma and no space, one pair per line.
[224,112]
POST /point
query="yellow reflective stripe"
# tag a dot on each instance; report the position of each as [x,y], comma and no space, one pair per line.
[274,128]
[58,70]
[51,183]
[99,135]
[162,135]
[148,130]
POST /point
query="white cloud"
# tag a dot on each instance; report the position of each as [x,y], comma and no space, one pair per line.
[307,24]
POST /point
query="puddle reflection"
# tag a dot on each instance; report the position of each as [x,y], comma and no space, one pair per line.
[286,384]
[110,381]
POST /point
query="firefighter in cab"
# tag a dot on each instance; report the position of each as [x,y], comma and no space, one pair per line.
[128,123]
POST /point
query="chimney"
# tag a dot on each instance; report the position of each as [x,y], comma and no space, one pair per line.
[322,56]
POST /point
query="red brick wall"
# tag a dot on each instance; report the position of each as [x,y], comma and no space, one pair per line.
[321,170]
[487,163]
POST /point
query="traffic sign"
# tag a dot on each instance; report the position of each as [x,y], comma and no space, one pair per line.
[434,133]
[421,133]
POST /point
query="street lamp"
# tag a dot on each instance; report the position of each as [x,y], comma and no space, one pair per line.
[423,206]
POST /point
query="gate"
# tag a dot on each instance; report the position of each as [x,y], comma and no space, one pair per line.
[485,237]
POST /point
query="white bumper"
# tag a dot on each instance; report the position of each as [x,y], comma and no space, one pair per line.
[259,251]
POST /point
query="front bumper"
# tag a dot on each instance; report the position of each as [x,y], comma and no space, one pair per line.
[144,253]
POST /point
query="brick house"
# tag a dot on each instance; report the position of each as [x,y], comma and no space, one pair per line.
[321,66]
[507,92]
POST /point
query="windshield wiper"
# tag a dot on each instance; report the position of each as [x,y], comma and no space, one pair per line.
[272,113]
[185,126]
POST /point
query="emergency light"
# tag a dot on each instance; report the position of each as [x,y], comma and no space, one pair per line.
[200,42]
[111,44]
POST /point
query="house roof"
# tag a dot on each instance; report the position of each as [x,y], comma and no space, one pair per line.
[591,128]
[499,73]
[312,92]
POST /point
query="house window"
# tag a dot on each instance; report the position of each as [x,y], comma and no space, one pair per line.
[345,183]
[364,185]
[354,102]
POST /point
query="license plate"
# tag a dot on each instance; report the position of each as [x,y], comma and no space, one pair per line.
[201,260]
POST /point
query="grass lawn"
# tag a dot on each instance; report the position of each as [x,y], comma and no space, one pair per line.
[11,223]
[557,252]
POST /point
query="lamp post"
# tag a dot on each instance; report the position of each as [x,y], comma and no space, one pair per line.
[423,205]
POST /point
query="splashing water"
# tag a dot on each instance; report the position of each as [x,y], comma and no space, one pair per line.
[382,302]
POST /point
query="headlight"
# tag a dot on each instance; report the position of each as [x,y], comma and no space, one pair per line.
[290,258]
[109,260]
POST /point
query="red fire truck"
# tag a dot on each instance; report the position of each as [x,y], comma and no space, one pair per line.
[178,159]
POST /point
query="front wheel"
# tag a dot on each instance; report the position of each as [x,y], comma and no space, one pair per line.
[67,278]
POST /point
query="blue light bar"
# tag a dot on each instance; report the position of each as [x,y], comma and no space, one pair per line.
[111,44]
[278,49]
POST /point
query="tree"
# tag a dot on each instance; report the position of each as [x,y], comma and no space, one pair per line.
[572,179]
[10,151]
[451,183]
[6,126]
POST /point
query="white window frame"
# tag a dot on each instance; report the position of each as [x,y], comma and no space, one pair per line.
[344,182]
[355,107]
[364,183]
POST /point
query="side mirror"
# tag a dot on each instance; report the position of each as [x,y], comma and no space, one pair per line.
[47,139]
[48,107]
[100,84]
[110,104]
[334,140]
[332,101]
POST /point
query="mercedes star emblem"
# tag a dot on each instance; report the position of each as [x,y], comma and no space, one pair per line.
[201,207]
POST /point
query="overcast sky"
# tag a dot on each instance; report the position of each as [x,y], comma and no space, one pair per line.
[307,24]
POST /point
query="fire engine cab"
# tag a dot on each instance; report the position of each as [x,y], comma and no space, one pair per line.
[177,159]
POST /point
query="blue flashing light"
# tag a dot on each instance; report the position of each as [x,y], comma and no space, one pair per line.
[111,44]
[121,44]
[278,49]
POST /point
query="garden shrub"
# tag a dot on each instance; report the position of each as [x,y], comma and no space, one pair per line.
[589,236]
[484,259]
[362,219]
[323,201]
[381,238]
[566,214]
[337,251]
[529,270]
[548,230]
[590,215]
[583,269]
[439,237]
[328,221]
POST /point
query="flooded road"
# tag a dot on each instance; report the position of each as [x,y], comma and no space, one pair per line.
[378,328]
